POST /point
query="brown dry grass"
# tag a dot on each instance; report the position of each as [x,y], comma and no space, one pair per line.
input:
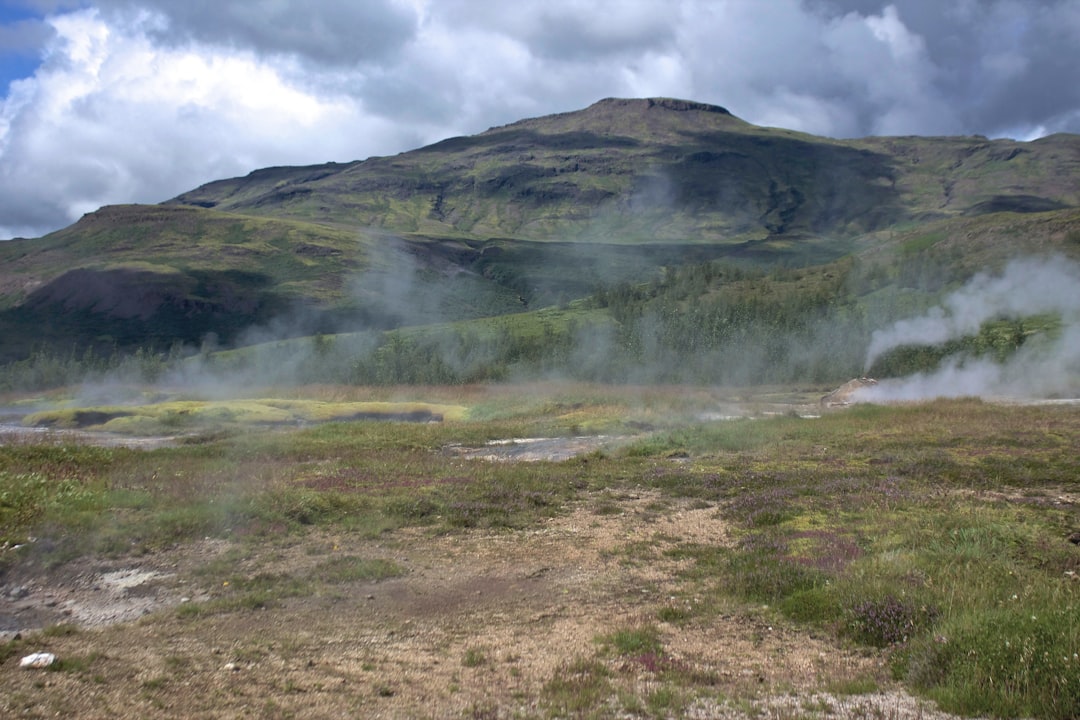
[480,623]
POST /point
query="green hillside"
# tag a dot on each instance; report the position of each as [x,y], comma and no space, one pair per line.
[663,170]
[551,211]
[623,171]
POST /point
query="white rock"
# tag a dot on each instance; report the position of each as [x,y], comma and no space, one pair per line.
[37,661]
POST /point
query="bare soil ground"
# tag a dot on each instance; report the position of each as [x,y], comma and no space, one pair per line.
[476,627]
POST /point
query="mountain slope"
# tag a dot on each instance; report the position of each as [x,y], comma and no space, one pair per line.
[661,169]
[540,211]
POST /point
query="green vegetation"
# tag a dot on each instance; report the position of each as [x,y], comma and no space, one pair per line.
[714,322]
[641,209]
[880,545]
[580,689]
[933,535]
[363,317]
[996,340]
[203,415]
[474,657]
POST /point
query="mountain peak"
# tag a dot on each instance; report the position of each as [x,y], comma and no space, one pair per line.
[663,103]
[632,116]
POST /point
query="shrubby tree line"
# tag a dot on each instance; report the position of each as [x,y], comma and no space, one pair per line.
[50,368]
[710,323]
[719,323]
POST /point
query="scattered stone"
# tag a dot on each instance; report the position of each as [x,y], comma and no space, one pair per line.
[19,593]
[37,661]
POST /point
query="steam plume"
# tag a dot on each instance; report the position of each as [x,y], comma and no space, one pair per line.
[1024,288]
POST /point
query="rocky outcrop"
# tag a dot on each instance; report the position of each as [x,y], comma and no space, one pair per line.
[844,395]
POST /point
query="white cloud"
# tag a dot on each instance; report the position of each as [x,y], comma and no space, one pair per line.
[786,108]
[110,117]
[656,75]
[143,99]
[888,28]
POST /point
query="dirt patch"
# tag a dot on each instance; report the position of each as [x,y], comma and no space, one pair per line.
[95,592]
[476,627]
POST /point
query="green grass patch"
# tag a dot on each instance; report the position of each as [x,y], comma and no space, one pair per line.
[78,664]
[908,534]
[921,243]
[631,641]
[579,689]
[350,568]
[474,657]
[1020,660]
[859,685]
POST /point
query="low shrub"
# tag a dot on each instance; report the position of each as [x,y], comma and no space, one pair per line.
[890,620]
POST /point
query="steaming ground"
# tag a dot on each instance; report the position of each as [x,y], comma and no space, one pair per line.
[1025,288]
[11,434]
[1047,366]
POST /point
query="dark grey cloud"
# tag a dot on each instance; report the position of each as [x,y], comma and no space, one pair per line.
[574,31]
[1004,65]
[336,32]
[560,34]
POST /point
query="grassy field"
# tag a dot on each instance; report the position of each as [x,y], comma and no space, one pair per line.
[862,562]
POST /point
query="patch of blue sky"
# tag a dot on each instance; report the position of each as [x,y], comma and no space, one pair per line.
[20,33]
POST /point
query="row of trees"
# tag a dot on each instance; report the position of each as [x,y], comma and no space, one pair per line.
[712,322]
[49,368]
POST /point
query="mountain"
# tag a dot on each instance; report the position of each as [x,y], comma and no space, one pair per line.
[520,216]
[667,170]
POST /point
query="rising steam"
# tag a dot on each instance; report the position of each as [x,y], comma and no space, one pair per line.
[1037,370]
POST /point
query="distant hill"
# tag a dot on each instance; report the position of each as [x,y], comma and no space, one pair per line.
[522,216]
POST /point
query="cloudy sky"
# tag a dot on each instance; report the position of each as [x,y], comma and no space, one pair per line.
[109,101]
